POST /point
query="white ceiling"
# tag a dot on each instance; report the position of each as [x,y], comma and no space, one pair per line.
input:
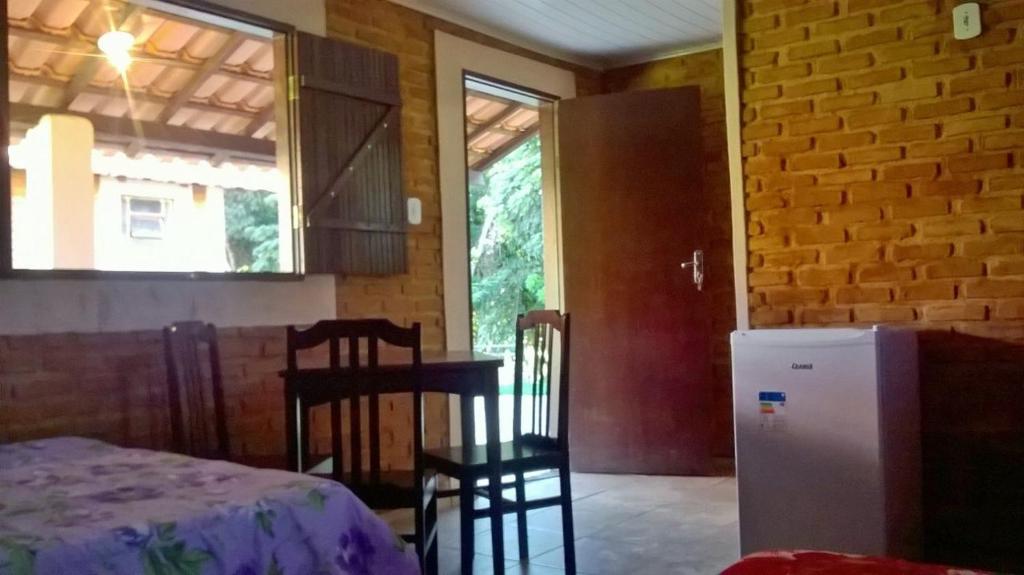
[597,33]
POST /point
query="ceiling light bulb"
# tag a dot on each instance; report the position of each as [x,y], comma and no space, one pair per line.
[117,45]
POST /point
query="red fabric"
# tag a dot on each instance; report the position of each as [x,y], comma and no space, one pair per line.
[823,563]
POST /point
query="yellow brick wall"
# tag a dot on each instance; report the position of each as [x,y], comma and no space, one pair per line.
[882,162]
[704,69]
[418,295]
[884,184]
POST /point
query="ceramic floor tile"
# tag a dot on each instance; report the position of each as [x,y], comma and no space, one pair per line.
[586,520]
[540,541]
[450,563]
[599,556]
[533,569]
[624,524]
[659,527]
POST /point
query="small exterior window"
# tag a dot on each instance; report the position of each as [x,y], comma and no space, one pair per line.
[145,218]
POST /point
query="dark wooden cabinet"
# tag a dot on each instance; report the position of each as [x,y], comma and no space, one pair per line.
[350,168]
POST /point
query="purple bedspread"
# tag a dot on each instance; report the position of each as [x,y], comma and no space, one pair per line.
[72,505]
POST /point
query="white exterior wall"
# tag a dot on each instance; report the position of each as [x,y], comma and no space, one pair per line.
[191,234]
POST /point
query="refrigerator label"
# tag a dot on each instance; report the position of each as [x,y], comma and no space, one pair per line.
[773,410]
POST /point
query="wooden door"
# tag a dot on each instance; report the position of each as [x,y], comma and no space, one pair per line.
[633,209]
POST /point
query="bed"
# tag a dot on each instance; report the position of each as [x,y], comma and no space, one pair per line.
[73,505]
[823,563]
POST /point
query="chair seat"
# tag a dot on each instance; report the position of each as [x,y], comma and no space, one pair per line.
[396,489]
[528,456]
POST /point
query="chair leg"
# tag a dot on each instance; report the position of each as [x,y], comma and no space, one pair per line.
[524,543]
[431,563]
[467,533]
[419,537]
[497,533]
[568,536]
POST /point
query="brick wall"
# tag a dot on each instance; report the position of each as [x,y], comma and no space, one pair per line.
[113,387]
[884,184]
[418,296]
[704,69]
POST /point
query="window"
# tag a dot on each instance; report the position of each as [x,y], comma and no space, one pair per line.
[155,99]
[146,136]
[144,218]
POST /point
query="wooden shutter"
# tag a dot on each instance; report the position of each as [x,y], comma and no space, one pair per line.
[353,211]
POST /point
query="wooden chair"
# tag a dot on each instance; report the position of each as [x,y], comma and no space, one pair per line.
[352,380]
[195,391]
[543,445]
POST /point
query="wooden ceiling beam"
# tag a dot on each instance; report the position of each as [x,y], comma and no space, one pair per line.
[503,150]
[153,135]
[266,115]
[508,131]
[135,96]
[201,75]
[33,35]
[494,122]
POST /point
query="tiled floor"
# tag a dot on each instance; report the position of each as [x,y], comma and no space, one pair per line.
[624,524]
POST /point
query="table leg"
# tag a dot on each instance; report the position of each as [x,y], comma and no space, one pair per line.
[494,473]
[467,495]
[467,407]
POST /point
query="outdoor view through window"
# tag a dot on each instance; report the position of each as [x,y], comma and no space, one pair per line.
[144,138]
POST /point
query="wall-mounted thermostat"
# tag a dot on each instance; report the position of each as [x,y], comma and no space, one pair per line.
[415,211]
[967,21]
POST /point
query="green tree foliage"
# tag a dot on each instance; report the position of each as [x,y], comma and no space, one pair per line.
[251,222]
[507,246]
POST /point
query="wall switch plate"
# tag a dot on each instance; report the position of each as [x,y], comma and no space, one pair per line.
[415,211]
[967,21]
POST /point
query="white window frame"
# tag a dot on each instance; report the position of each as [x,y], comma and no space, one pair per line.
[129,216]
[453,58]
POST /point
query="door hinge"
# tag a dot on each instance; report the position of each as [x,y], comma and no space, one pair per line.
[293,88]
[296,216]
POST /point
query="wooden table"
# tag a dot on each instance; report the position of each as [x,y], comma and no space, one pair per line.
[466,374]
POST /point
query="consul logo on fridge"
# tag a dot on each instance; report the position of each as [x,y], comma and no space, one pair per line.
[804,366]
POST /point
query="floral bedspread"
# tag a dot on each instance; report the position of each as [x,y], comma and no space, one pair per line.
[822,563]
[72,505]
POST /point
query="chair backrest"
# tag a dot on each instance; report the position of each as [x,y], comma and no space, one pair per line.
[354,372]
[542,360]
[195,390]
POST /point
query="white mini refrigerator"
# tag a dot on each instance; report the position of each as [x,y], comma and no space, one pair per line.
[828,440]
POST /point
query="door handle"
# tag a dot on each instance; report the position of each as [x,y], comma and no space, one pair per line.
[698,268]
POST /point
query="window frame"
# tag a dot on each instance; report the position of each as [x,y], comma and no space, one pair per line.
[129,215]
[202,7]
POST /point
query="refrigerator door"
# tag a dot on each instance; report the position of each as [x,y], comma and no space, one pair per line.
[807,440]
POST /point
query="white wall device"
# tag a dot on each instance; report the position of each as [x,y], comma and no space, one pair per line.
[415,210]
[828,440]
[967,21]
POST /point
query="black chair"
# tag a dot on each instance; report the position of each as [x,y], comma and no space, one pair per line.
[353,380]
[542,446]
[195,391]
